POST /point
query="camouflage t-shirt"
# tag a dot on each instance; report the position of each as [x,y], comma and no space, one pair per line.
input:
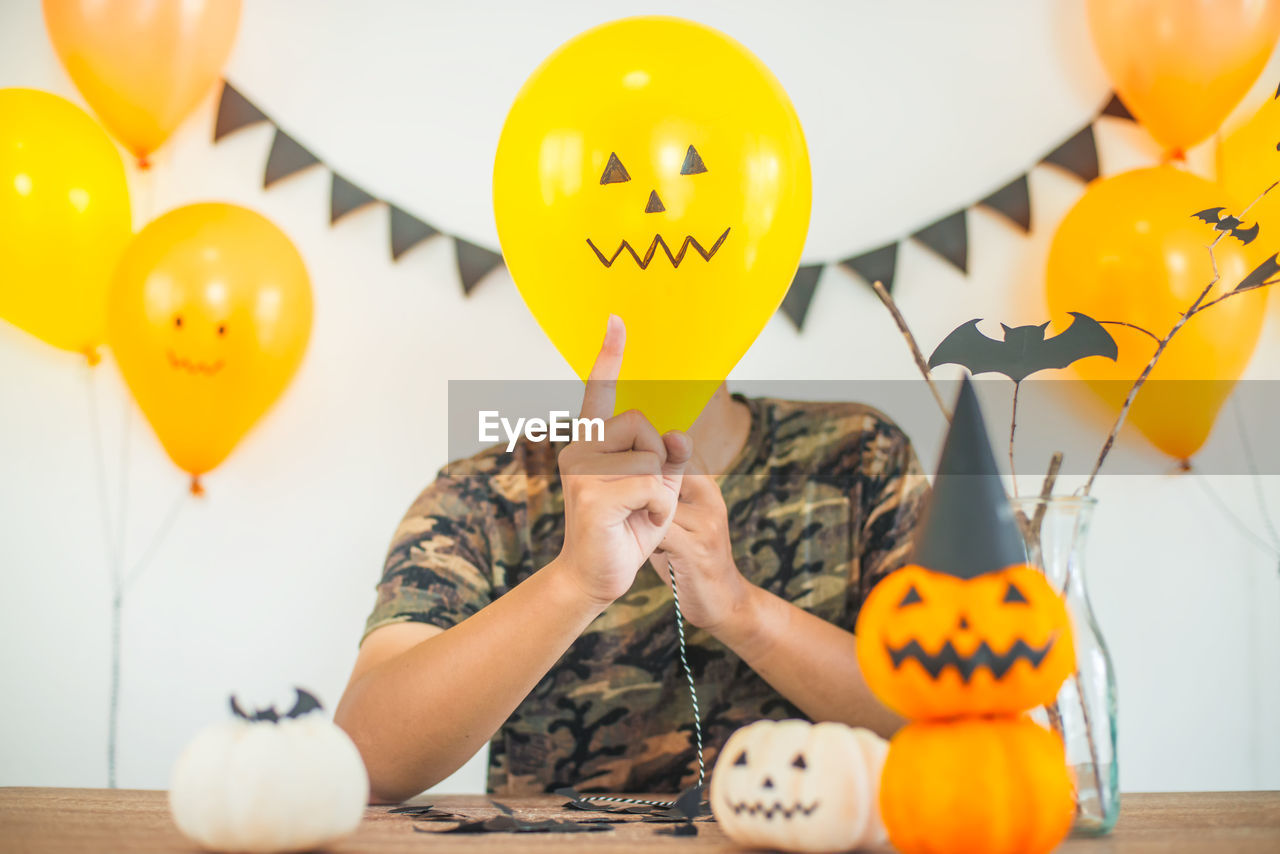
[821,502]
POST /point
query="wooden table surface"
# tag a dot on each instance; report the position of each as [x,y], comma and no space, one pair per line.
[45,821]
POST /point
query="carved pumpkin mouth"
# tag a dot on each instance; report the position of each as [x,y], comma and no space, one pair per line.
[191,366]
[966,665]
[770,810]
[643,263]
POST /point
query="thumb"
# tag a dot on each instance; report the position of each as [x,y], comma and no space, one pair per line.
[679,451]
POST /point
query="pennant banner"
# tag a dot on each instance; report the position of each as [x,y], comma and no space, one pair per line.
[947,237]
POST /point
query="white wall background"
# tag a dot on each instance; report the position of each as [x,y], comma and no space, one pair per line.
[911,109]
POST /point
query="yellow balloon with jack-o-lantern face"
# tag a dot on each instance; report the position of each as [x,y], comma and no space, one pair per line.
[655,169]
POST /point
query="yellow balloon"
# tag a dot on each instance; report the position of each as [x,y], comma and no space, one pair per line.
[209,317]
[1131,251]
[1249,163]
[64,219]
[655,169]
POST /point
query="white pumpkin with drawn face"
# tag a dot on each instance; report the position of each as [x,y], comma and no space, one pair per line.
[796,786]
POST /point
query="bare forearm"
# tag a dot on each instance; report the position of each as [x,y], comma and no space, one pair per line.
[419,716]
[808,660]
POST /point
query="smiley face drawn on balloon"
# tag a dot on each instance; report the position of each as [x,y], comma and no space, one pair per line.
[194,366]
[655,169]
[615,173]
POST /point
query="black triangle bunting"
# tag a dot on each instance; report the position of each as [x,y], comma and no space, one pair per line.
[949,237]
[234,112]
[407,231]
[1078,155]
[1013,202]
[287,157]
[474,263]
[878,265]
[795,305]
[1116,109]
[344,197]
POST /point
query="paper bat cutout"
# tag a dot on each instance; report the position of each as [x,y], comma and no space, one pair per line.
[1024,349]
[1229,224]
[1260,276]
[304,703]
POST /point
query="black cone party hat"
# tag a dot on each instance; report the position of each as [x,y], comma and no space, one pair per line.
[968,527]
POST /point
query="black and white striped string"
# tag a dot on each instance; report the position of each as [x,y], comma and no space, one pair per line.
[693,702]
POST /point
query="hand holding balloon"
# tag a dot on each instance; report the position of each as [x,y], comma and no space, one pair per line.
[619,493]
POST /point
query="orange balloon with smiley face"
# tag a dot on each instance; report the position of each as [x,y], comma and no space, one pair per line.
[208,317]
[655,169]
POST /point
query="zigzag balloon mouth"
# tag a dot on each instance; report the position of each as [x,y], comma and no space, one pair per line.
[966,665]
[191,366]
[770,810]
[643,263]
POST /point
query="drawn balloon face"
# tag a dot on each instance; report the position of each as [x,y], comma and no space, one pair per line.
[208,318]
[654,169]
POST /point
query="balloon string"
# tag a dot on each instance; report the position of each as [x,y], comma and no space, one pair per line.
[1226,510]
[145,210]
[100,468]
[162,531]
[113,567]
[122,520]
[693,702]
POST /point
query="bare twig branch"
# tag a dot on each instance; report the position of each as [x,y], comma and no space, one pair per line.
[885,297]
[1142,329]
[1013,428]
[1217,300]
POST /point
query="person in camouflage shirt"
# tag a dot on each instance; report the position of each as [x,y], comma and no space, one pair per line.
[818,506]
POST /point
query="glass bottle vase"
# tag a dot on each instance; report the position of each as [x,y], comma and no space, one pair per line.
[1056,531]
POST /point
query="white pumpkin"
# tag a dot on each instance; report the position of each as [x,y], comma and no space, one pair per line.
[797,786]
[266,783]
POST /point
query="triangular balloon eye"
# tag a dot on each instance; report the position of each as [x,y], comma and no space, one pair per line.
[1014,596]
[742,758]
[614,171]
[799,762]
[692,163]
[913,596]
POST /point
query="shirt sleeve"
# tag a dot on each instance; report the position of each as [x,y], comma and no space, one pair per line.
[891,512]
[438,569]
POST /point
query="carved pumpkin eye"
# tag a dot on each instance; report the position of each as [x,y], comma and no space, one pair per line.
[1012,596]
[693,164]
[913,596]
[799,762]
[614,171]
[742,758]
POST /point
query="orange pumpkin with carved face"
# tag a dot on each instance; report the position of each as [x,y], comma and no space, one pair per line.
[933,646]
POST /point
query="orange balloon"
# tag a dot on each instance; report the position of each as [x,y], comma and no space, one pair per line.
[1180,66]
[1249,163]
[1130,250]
[143,65]
[208,317]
